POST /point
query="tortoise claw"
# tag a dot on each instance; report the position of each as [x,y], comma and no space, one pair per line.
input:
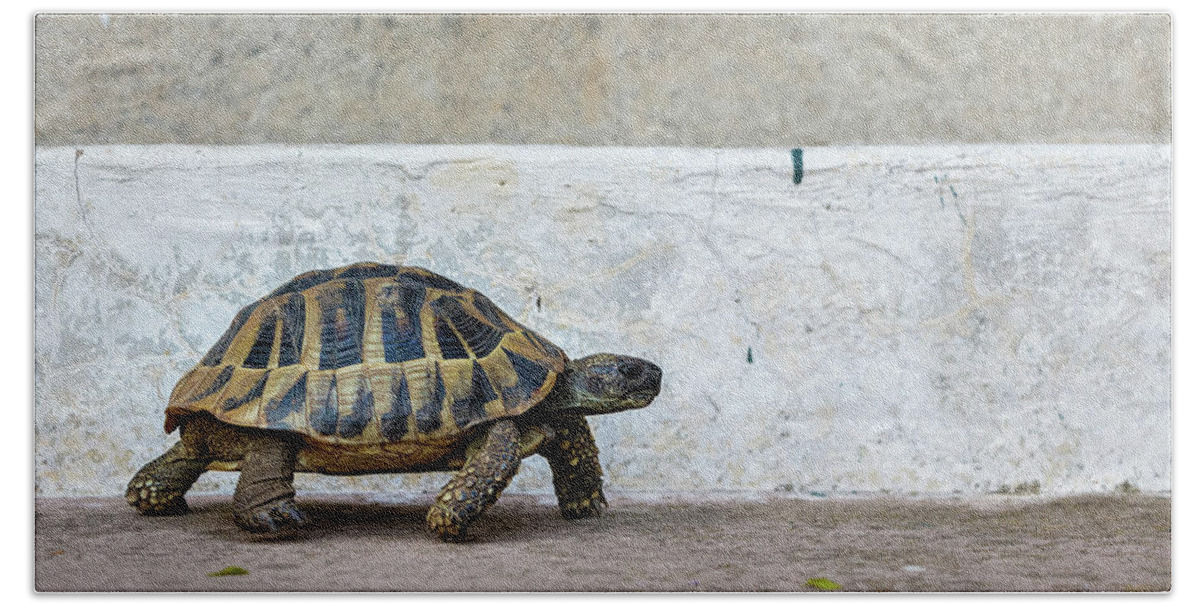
[282,516]
[150,498]
[447,525]
[586,507]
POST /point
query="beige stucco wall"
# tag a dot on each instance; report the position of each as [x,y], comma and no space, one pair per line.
[636,80]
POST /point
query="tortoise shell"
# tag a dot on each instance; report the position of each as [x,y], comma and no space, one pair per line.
[369,354]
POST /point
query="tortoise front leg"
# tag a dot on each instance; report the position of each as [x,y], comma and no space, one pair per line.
[478,484]
[264,500]
[575,466]
[158,488]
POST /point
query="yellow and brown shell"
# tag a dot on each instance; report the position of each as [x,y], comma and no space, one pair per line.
[370,355]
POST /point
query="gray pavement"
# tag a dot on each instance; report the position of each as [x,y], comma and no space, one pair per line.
[1088,543]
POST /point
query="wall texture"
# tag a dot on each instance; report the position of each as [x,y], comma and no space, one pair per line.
[634,80]
[907,319]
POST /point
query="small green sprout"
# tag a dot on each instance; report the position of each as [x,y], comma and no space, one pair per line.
[823,584]
[230,571]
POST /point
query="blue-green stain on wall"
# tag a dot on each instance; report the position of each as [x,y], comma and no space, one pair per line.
[749,356]
[797,165]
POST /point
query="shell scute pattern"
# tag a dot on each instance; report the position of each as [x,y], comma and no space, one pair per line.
[369,354]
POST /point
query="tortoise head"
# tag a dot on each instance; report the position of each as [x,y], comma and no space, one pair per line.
[604,383]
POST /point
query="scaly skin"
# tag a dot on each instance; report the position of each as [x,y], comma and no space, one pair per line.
[478,484]
[158,488]
[264,500]
[575,465]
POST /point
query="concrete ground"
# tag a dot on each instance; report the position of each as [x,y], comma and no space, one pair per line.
[1087,543]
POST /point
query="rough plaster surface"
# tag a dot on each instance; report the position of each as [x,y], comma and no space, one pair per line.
[906,319]
[637,80]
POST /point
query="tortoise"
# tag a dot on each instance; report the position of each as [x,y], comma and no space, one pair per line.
[375,368]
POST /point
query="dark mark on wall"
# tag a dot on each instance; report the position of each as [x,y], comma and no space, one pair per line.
[945,182]
[749,356]
[797,165]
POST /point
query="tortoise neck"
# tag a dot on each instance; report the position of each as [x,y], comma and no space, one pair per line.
[562,398]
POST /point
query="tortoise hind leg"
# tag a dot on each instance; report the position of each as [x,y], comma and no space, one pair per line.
[264,500]
[575,467]
[158,488]
[478,484]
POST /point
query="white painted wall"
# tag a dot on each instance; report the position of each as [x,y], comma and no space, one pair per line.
[920,319]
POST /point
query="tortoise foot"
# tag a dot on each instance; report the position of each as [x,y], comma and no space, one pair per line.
[152,498]
[158,487]
[446,524]
[478,484]
[280,516]
[586,506]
